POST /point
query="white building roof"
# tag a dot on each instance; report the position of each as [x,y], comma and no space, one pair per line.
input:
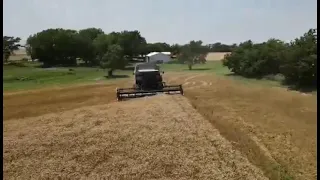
[166,53]
[154,53]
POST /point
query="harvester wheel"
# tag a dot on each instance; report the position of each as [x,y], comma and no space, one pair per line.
[135,86]
[118,95]
[181,90]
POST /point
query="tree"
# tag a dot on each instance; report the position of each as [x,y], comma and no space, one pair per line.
[186,56]
[196,47]
[190,53]
[101,45]
[219,47]
[55,47]
[132,43]
[201,59]
[296,61]
[91,33]
[10,44]
[62,46]
[113,59]
[300,61]
[256,60]
[86,38]
[175,49]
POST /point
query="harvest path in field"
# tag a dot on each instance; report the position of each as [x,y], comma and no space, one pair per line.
[153,137]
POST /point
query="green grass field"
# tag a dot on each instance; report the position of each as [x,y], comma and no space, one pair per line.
[210,67]
[30,76]
[216,67]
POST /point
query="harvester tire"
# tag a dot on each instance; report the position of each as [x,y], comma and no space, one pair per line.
[118,95]
[181,90]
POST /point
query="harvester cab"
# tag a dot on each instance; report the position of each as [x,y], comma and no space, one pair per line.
[148,81]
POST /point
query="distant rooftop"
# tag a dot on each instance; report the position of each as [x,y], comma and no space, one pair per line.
[167,53]
[154,53]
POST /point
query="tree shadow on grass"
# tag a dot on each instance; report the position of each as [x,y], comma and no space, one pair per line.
[129,68]
[117,76]
[231,74]
[198,69]
[16,64]
[300,89]
[239,76]
[282,83]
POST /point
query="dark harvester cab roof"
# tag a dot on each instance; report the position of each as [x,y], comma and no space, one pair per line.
[146,67]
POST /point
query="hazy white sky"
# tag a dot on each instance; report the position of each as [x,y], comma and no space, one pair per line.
[171,21]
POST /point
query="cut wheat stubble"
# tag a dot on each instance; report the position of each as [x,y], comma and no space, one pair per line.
[158,137]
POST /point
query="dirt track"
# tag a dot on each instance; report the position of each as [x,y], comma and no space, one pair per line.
[81,131]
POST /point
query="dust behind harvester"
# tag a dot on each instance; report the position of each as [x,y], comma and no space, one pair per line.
[148,81]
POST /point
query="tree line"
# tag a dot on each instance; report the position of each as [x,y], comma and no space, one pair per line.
[62,47]
[296,61]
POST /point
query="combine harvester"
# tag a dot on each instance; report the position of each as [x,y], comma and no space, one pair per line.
[148,81]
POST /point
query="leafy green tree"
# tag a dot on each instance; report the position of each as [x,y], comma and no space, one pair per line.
[113,59]
[86,47]
[190,53]
[297,61]
[101,45]
[186,56]
[300,61]
[91,33]
[256,60]
[219,47]
[10,44]
[197,48]
[55,47]
[132,43]
[175,49]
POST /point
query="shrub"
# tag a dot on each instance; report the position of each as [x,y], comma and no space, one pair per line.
[256,60]
[300,61]
[296,61]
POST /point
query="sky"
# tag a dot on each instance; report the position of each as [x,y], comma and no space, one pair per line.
[170,21]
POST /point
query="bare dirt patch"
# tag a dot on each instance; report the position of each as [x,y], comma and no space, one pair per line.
[19,55]
[216,56]
[154,137]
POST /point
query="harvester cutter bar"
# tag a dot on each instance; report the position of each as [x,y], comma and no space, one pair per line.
[132,92]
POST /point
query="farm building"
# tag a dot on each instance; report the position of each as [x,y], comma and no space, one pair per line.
[158,57]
